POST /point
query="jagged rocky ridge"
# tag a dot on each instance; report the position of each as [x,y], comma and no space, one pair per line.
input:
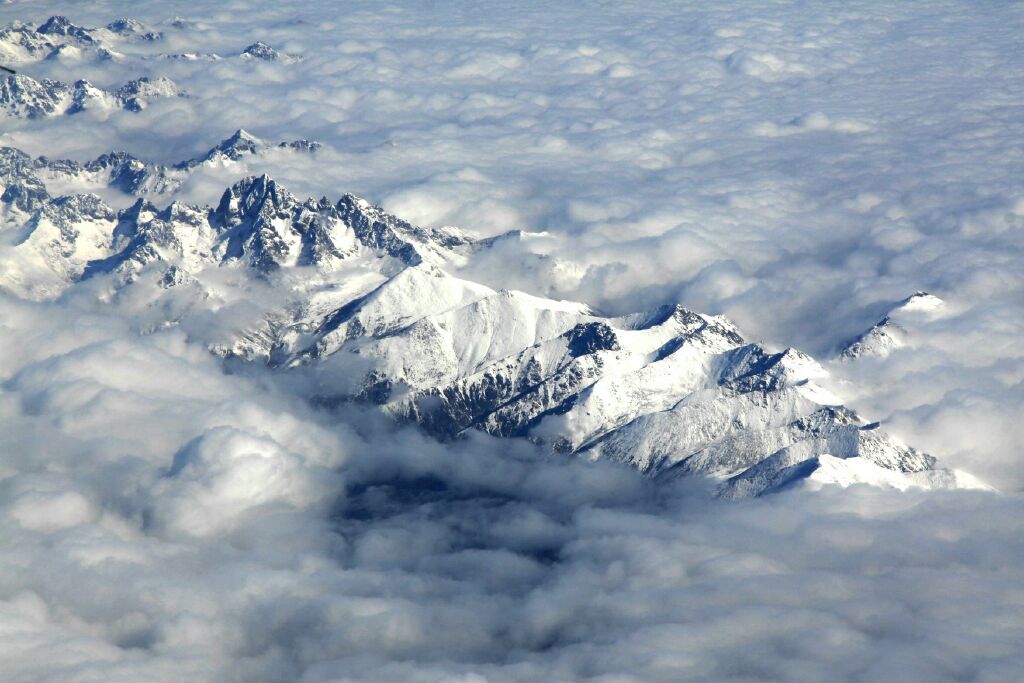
[58,38]
[369,303]
[124,172]
[262,51]
[24,97]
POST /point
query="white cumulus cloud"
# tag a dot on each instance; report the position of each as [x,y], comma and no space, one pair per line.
[798,168]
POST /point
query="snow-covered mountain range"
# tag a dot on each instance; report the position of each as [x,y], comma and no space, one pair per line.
[374,305]
[24,97]
[123,172]
[59,39]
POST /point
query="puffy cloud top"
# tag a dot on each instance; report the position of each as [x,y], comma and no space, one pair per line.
[800,169]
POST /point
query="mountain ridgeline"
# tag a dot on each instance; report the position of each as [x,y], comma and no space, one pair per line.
[374,306]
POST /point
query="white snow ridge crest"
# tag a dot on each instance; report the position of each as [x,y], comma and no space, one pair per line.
[891,332]
[373,305]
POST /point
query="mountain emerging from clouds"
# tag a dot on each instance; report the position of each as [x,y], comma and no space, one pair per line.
[371,304]
[891,332]
[58,38]
[24,97]
[126,173]
[253,428]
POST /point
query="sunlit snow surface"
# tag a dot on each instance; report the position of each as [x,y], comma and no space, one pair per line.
[801,168]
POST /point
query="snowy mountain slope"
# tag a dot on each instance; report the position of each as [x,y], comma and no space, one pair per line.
[242,144]
[60,26]
[414,292]
[441,347]
[261,51]
[23,191]
[20,44]
[891,332]
[24,97]
[256,224]
[367,302]
[56,245]
[58,38]
[124,172]
[867,456]
[132,29]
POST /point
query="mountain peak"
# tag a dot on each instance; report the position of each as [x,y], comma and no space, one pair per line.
[126,25]
[59,25]
[233,148]
[136,93]
[891,331]
[260,50]
[25,97]
[240,140]
[919,301]
[249,195]
[132,28]
[242,134]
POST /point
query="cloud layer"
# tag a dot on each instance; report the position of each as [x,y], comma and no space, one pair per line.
[799,169]
[166,521]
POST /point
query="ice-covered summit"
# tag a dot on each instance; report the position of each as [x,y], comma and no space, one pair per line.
[263,52]
[260,50]
[891,332]
[58,25]
[233,148]
[132,28]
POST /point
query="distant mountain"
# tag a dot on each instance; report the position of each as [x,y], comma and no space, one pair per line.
[20,44]
[59,28]
[58,38]
[25,97]
[262,51]
[131,28]
[369,303]
[891,332]
[124,172]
